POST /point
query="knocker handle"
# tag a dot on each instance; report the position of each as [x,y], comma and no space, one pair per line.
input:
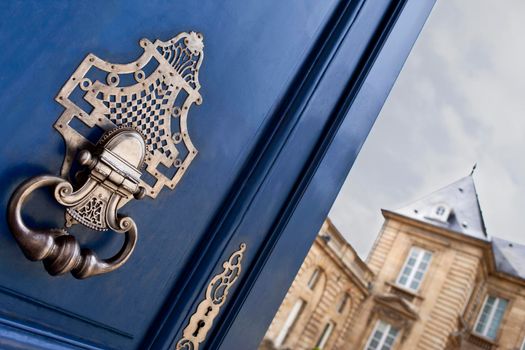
[60,251]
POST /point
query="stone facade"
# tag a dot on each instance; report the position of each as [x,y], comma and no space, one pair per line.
[329,289]
[438,282]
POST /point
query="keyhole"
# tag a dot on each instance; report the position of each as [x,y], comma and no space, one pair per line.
[200,324]
[208,311]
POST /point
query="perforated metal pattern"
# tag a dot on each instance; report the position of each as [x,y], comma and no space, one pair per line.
[152,95]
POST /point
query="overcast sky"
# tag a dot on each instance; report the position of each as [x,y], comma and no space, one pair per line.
[459,100]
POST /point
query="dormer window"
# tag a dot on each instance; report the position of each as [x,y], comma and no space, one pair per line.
[440,212]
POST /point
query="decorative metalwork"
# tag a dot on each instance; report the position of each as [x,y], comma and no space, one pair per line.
[142,109]
[208,309]
[152,94]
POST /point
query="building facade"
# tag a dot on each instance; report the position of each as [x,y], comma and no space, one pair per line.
[324,298]
[438,282]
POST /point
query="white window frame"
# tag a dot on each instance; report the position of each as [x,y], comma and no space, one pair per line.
[411,277]
[384,336]
[490,320]
[327,332]
[314,278]
[294,314]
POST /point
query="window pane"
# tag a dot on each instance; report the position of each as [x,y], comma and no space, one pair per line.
[414,269]
[389,341]
[325,335]
[487,309]
[393,332]
[313,279]
[343,302]
[491,316]
[414,285]
[373,344]
[383,337]
[496,319]
[290,321]
[403,280]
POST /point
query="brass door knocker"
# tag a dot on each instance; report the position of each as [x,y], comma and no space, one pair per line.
[142,107]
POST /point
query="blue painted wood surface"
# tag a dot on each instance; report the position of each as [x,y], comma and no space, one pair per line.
[290,90]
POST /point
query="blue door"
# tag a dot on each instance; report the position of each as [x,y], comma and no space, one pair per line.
[282,97]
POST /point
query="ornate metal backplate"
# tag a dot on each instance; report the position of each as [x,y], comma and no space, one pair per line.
[141,110]
[152,94]
[216,293]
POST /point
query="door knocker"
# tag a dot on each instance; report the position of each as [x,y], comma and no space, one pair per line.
[142,109]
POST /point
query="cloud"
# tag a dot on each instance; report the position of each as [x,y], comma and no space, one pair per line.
[460,99]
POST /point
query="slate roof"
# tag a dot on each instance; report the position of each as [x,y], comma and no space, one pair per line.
[509,256]
[466,218]
[461,197]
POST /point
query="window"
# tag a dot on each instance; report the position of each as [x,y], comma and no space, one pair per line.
[383,337]
[313,279]
[414,269]
[343,303]
[440,212]
[523,345]
[290,321]
[490,316]
[327,331]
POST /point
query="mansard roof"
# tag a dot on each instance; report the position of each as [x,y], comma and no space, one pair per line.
[458,201]
[464,216]
[509,257]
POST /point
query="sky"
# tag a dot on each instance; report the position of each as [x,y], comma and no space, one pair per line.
[459,100]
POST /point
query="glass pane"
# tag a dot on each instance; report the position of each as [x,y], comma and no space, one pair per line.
[496,319]
[418,260]
[480,327]
[377,335]
[313,279]
[407,270]
[325,335]
[389,340]
[393,332]
[343,303]
[290,321]
[373,344]
[414,285]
